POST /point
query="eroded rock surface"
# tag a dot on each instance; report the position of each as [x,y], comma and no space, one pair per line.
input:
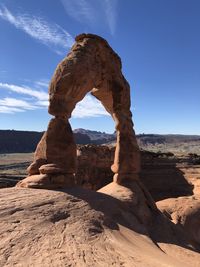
[165,176]
[91,66]
[78,227]
[185,212]
[94,163]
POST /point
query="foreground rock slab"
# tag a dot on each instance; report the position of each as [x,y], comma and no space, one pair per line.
[184,211]
[78,227]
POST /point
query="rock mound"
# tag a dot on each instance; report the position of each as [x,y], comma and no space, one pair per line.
[78,227]
[184,212]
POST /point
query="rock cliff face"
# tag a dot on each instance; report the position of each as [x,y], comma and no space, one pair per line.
[185,212]
[91,66]
[94,164]
[164,175]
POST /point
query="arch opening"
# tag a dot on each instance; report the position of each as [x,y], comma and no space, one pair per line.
[91,66]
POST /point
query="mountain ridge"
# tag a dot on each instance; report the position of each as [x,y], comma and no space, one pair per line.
[15,141]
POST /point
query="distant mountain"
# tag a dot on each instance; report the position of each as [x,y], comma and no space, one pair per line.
[174,143]
[96,137]
[167,138]
[82,139]
[12,141]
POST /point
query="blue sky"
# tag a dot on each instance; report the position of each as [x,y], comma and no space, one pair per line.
[157,40]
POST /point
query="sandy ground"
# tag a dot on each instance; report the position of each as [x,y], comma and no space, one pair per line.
[14,158]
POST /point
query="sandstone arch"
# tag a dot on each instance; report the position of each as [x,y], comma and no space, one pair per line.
[91,66]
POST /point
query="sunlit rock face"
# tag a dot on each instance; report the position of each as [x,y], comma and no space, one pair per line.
[91,66]
[94,163]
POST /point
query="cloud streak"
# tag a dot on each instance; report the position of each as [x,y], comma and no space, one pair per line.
[88,107]
[10,110]
[80,10]
[110,7]
[42,83]
[40,95]
[13,105]
[93,13]
[18,103]
[49,34]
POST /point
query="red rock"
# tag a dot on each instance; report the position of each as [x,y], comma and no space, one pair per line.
[91,66]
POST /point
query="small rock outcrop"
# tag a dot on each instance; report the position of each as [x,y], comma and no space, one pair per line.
[91,66]
[185,212]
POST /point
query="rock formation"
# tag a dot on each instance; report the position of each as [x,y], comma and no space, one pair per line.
[91,66]
[119,225]
[79,227]
[93,166]
[184,212]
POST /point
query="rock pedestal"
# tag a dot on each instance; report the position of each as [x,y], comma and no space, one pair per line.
[91,66]
[54,163]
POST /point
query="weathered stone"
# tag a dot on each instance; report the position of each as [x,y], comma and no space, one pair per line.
[47,181]
[91,66]
[55,158]
[34,167]
[52,168]
[78,227]
[185,212]
[93,166]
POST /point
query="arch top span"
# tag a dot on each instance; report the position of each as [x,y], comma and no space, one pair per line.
[90,66]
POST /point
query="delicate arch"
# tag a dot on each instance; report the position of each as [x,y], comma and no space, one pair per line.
[91,66]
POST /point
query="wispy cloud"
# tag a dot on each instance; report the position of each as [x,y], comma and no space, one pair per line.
[93,13]
[110,7]
[49,34]
[18,103]
[13,105]
[42,83]
[10,110]
[81,10]
[40,95]
[35,99]
[88,107]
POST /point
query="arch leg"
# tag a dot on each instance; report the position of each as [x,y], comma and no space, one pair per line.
[54,163]
[116,100]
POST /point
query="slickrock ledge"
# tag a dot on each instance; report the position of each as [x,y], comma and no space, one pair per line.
[79,227]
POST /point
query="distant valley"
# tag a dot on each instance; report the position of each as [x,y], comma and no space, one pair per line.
[12,141]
